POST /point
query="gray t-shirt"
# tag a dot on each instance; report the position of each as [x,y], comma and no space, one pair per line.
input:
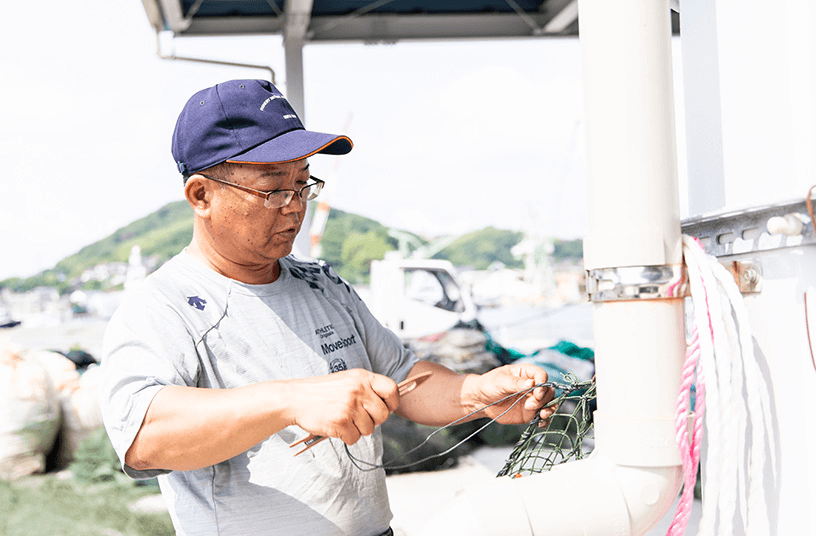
[189,325]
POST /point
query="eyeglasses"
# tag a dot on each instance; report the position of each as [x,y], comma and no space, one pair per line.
[279,198]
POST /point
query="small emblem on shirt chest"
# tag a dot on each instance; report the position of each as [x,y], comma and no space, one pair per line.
[197,302]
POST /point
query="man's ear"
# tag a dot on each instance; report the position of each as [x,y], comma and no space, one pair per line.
[199,192]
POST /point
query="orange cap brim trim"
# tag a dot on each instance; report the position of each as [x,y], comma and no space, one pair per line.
[295,159]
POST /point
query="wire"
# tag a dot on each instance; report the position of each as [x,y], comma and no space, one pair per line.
[810,208]
[364,465]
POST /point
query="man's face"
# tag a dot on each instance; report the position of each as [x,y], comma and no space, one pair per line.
[246,233]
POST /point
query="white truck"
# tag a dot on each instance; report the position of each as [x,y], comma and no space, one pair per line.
[418,297]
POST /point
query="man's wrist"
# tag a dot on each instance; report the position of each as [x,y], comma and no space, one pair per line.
[471,394]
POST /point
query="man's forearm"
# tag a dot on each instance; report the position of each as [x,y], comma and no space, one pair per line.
[188,428]
[440,400]
[446,397]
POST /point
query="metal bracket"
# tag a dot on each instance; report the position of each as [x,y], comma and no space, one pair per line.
[661,282]
[747,275]
[637,283]
[752,230]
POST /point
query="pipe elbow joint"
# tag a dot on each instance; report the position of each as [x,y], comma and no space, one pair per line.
[594,496]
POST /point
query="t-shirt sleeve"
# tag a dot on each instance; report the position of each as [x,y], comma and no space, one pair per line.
[146,348]
[386,352]
[385,349]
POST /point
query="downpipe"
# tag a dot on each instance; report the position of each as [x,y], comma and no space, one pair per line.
[634,474]
[593,496]
[633,257]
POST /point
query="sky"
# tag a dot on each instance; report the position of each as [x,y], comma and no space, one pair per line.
[450,137]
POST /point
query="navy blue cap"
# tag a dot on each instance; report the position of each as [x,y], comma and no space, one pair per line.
[248,122]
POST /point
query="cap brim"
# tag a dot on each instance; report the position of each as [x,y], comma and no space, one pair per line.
[293,145]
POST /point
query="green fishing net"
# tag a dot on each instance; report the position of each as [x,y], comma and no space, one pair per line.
[568,435]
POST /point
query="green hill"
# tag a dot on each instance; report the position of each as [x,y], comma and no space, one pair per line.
[162,234]
[349,243]
[482,248]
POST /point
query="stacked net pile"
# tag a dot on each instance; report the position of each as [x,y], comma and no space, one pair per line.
[567,436]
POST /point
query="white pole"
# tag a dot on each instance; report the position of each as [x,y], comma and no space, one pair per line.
[298,16]
[633,475]
[633,198]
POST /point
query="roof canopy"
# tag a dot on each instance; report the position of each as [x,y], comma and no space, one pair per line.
[367,20]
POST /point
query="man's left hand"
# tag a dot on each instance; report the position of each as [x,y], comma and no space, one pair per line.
[504,381]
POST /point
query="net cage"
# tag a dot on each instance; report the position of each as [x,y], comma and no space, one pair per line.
[567,435]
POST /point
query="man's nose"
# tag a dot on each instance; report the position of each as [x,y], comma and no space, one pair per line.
[296,204]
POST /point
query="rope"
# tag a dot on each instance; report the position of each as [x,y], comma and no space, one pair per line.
[732,393]
[689,450]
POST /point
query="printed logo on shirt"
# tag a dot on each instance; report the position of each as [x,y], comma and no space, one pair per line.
[337,365]
[337,345]
[325,331]
[197,302]
[312,273]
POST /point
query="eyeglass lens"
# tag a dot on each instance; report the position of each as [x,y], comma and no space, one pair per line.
[282,198]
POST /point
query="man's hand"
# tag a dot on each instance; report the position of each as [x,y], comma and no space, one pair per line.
[447,396]
[226,422]
[504,381]
[346,405]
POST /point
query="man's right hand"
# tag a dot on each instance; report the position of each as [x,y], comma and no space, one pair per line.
[188,428]
[347,404]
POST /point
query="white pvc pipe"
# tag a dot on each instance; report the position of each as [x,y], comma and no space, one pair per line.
[593,496]
[634,474]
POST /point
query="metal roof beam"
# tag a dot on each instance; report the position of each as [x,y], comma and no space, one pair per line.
[564,18]
[298,14]
[390,28]
[537,30]
[174,16]
[353,15]
[378,28]
[297,17]
[235,26]
[154,15]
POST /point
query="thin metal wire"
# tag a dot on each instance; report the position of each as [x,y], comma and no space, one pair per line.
[369,466]
[567,391]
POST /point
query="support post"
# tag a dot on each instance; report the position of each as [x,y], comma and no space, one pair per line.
[298,14]
[633,475]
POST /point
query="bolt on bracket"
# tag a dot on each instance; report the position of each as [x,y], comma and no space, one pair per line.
[747,275]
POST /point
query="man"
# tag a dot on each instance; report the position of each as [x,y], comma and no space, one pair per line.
[220,362]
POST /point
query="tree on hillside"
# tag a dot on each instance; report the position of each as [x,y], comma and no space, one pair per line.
[482,248]
[350,242]
[568,249]
[163,233]
[358,252]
